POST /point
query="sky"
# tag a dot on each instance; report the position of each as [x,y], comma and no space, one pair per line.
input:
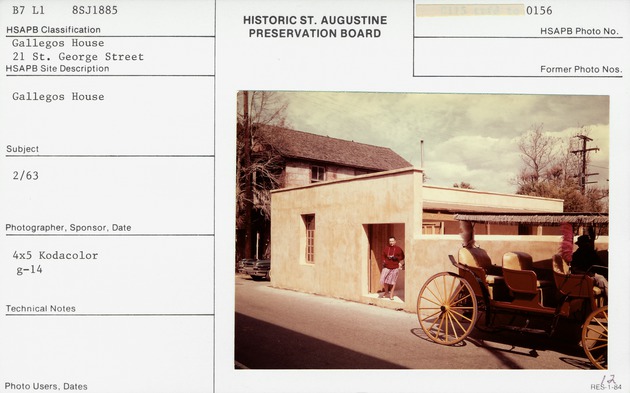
[470,138]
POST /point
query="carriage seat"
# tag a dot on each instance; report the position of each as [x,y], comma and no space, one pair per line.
[523,282]
[479,260]
[518,260]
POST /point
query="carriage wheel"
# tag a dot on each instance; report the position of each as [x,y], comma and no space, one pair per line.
[447,308]
[595,337]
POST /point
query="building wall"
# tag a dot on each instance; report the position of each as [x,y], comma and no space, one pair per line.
[474,199]
[345,210]
[298,173]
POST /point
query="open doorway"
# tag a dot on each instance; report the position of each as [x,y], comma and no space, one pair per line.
[378,235]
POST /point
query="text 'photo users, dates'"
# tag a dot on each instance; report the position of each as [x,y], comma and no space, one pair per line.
[44,386]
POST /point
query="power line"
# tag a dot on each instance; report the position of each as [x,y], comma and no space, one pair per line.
[583,152]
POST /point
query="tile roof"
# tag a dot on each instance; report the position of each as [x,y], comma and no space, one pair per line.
[303,145]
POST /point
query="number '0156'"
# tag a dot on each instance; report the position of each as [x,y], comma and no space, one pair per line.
[538,10]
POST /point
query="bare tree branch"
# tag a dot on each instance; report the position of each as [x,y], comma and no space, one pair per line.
[550,169]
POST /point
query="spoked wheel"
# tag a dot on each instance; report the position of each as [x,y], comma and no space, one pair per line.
[595,337]
[447,308]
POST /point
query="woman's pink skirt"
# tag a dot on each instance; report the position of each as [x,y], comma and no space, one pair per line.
[389,276]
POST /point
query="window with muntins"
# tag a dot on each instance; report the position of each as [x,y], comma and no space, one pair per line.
[309,223]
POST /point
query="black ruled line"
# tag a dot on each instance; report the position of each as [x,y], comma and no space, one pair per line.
[113,75]
[521,76]
[514,37]
[111,155]
[113,234]
[108,315]
[106,36]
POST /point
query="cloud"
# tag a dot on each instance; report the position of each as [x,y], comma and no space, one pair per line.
[467,137]
[485,162]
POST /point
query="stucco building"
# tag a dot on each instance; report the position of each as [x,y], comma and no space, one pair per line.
[295,158]
[328,237]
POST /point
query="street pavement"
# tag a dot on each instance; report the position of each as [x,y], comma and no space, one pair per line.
[283,329]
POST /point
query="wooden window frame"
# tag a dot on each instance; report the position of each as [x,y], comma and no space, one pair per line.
[318,173]
[309,249]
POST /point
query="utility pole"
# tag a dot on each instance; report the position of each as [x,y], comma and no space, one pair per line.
[424,176]
[422,153]
[583,153]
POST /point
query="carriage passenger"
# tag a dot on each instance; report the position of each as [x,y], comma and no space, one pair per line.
[584,258]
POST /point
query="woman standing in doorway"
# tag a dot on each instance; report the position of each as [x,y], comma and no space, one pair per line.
[393,257]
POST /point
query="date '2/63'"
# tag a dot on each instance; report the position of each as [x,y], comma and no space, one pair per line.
[25,175]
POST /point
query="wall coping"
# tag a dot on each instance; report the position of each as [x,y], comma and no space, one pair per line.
[375,175]
[408,170]
[481,192]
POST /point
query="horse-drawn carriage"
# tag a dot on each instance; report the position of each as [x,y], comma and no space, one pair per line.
[517,295]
